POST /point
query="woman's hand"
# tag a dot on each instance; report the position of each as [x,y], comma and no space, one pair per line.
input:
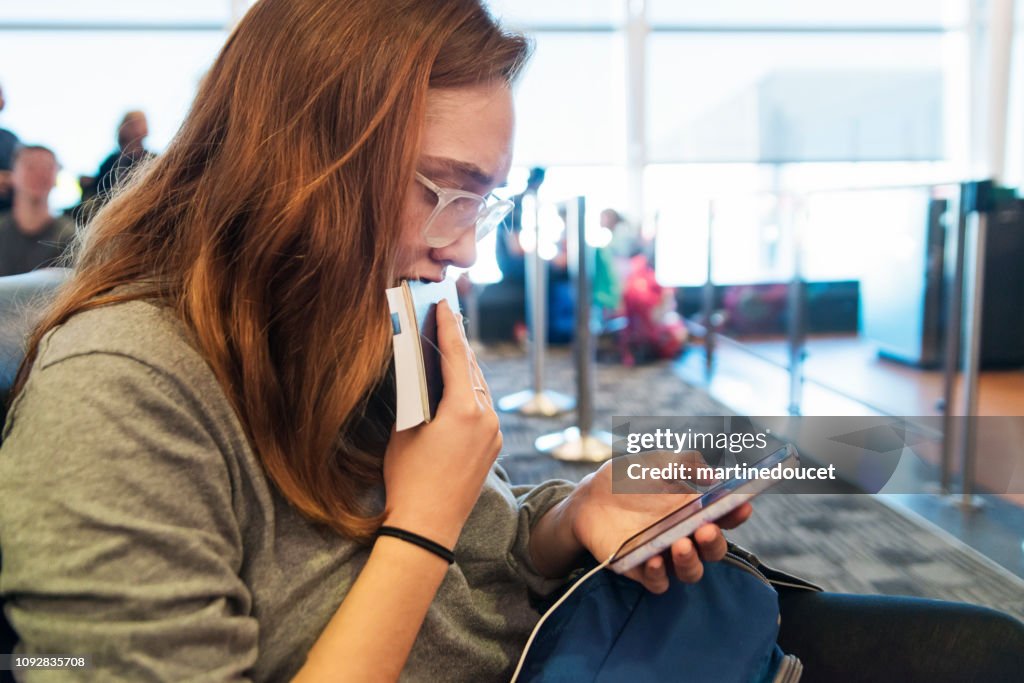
[603,520]
[595,519]
[433,473]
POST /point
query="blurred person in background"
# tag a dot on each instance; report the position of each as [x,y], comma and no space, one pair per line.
[611,263]
[654,329]
[506,301]
[8,141]
[30,236]
[131,136]
[624,242]
[509,251]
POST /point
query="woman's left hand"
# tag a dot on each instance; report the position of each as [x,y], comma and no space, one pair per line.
[601,520]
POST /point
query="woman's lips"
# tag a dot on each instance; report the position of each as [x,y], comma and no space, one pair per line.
[428,278]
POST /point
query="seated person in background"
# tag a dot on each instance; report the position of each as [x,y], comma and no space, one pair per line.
[30,236]
[131,135]
[654,330]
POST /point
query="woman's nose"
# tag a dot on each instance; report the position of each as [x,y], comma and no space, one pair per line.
[460,253]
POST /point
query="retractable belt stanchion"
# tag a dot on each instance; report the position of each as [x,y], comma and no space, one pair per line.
[536,401]
[796,302]
[708,298]
[951,362]
[981,199]
[581,442]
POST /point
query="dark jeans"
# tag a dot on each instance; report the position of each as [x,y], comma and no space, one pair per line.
[886,638]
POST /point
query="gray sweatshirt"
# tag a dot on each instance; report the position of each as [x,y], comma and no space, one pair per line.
[137,527]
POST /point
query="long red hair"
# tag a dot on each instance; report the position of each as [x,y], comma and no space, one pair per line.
[270,225]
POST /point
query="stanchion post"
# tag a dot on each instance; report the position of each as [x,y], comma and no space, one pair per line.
[977,224]
[535,401]
[581,269]
[951,361]
[797,331]
[536,296]
[708,297]
[580,442]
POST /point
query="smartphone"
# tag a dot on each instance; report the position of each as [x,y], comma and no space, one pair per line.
[713,504]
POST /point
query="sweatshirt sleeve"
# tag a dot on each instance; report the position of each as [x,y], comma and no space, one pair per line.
[532,502]
[119,537]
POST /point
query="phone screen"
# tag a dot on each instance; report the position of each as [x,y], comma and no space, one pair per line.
[712,495]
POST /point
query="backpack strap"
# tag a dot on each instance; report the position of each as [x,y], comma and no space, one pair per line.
[775,577]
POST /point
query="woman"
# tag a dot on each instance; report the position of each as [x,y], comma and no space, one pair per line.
[192,469]
[199,457]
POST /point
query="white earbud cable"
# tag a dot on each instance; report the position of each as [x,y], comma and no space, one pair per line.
[536,629]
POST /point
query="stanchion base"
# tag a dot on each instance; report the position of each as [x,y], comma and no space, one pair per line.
[953,499]
[968,503]
[934,488]
[529,402]
[570,445]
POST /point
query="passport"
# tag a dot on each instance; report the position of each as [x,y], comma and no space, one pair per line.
[419,382]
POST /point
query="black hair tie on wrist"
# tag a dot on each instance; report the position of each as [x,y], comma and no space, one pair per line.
[425,543]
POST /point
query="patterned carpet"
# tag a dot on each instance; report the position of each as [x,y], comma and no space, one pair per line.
[846,543]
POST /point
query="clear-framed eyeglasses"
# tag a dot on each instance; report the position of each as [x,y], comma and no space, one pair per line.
[458,211]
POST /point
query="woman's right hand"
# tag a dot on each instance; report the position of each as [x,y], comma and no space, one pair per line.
[433,473]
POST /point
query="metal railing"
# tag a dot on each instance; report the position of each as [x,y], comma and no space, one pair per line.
[964,304]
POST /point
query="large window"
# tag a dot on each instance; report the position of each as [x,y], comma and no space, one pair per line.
[127,13]
[800,13]
[70,70]
[1015,131]
[796,97]
[744,101]
[749,104]
[572,115]
[531,14]
[733,98]
[69,89]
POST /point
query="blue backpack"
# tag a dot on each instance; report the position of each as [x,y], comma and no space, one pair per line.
[721,629]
